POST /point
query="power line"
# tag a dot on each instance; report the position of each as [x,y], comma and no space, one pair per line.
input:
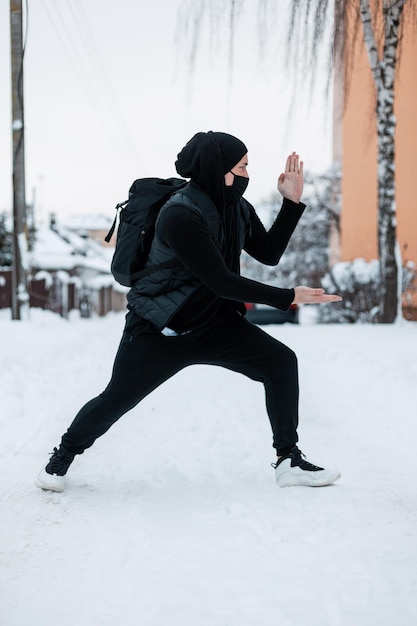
[91,74]
[83,80]
[81,20]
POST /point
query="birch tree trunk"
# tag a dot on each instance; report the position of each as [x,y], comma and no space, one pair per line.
[383,72]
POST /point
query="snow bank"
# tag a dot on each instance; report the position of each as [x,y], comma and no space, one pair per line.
[174,517]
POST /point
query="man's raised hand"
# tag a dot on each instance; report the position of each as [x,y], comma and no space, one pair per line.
[291,182]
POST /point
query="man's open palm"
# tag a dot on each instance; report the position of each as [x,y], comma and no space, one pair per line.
[291,182]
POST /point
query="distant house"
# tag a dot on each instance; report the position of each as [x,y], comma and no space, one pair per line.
[69,271]
[93,226]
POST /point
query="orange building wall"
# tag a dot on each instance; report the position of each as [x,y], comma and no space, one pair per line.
[359,156]
[406,157]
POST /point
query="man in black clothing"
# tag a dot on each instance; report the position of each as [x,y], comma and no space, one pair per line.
[192,312]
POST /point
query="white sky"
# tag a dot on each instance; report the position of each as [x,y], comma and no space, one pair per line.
[108,98]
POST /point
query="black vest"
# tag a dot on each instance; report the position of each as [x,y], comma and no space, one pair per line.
[159,296]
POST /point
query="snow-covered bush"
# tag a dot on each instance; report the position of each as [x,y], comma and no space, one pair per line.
[306,259]
[409,287]
[358,282]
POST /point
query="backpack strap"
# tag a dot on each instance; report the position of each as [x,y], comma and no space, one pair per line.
[118,208]
[203,205]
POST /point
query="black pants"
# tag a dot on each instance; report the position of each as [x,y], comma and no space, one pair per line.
[147,359]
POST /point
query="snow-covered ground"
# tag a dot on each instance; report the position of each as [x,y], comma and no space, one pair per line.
[174,516]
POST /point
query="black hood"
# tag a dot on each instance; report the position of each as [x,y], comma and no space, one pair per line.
[206,158]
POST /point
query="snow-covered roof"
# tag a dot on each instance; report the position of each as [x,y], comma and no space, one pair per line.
[91,221]
[63,249]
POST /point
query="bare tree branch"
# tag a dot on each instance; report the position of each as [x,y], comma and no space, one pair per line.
[370,42]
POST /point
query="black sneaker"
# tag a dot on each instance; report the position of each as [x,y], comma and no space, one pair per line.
[52,477]
[294,470]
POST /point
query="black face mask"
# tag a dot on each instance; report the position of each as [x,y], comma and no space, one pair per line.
[236,191]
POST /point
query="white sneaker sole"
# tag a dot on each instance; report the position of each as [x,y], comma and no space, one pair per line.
[287,476]
[50,482]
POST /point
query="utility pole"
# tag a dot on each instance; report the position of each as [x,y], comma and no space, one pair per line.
[19,279]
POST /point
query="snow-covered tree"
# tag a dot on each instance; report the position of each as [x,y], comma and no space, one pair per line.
[306,259]
[350,23]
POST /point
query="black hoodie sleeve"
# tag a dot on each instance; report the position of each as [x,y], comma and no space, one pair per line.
[269,246]
[188,235]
